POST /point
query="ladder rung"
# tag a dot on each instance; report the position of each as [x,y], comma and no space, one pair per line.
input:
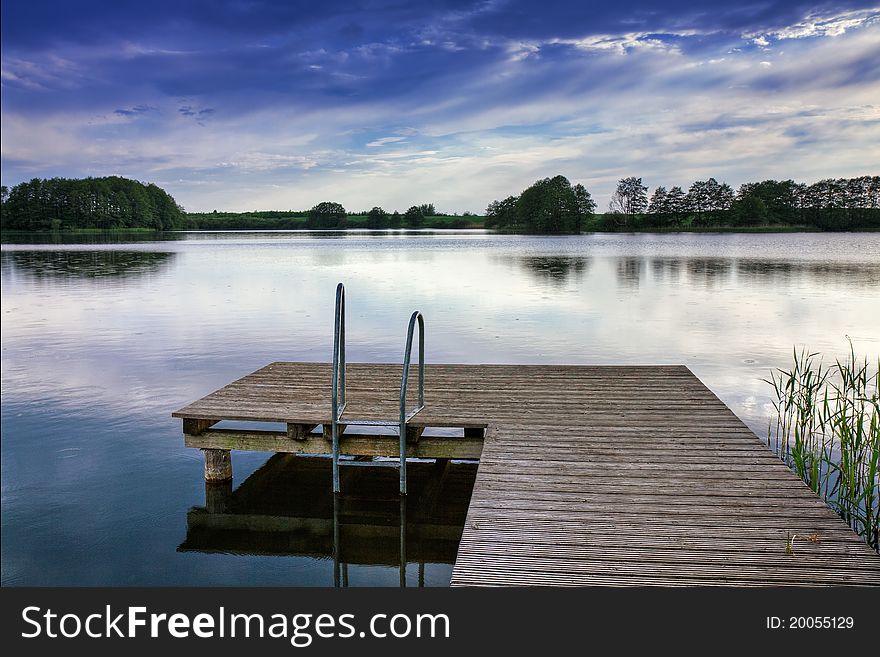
[371,464]
[368,423]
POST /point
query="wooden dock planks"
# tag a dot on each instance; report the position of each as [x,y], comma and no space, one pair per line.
[588,475]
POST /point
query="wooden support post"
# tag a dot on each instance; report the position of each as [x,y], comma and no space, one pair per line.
[194,427]
[413,434]
[328,430]
[299,431]
[431,492]
[474,432]
[217,496]
[218,465]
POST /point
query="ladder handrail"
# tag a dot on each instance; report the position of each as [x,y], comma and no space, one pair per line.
[338,379]
[337,398]
[404,416]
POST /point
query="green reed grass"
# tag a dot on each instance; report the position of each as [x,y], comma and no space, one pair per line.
[827,429]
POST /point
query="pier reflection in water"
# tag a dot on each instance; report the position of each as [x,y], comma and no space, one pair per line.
[286,508]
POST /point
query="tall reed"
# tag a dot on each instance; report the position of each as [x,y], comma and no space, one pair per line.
[827,429]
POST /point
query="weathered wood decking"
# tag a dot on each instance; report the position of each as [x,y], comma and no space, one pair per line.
[588,475]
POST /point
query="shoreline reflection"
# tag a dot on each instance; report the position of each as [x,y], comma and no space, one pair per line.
[45,265]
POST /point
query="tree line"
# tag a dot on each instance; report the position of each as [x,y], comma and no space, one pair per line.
[299,220]
[830,204]
[332,215]
[103,203]
[553,205]
[117,203]
[550,205]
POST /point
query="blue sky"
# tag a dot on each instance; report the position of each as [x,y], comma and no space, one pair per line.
[272,104]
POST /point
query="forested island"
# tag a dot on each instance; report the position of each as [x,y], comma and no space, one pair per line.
[549,206]
[100,203]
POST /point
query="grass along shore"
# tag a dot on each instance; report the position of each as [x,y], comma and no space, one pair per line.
[827,429]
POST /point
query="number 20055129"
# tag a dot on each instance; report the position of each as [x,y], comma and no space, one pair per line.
[809,623]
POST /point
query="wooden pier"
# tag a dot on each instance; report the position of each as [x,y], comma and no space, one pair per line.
[627,476]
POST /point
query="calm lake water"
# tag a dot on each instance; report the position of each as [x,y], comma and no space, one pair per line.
[101,341]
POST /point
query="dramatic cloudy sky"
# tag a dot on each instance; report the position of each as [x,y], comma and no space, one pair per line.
[275,104]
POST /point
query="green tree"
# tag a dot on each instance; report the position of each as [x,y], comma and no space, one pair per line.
[377,218]
[721,199]
[550,206]
[658,202]
[4,194]
[782,200]
[414,217]
[697,201]
[720,195]
[750,211]
[167,212]
[586,206]
[502,214]
[630,197]
[658,207]
[675,201]
[326,214]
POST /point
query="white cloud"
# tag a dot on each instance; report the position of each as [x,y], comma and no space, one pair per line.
[384,141]
[624,42]
[256,161]
[817,25]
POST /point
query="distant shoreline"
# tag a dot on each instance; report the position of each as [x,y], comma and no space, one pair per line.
[551,206]
[424,228]
[300,221]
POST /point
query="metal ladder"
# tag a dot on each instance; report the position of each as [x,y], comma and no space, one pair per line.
[337,403]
